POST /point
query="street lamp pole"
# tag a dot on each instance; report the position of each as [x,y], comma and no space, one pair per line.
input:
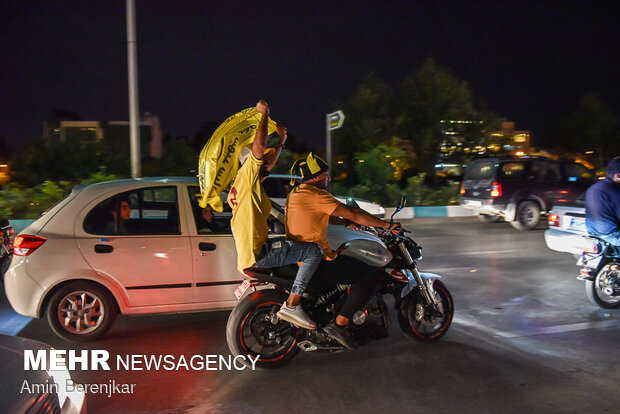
[328,139]
[132,69]
[332,121]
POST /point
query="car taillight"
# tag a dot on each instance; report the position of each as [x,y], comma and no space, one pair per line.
[592,247]
[462,190]
[25,245]
[496,191]
[554,220]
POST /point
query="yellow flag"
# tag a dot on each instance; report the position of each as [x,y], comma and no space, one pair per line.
[219,158]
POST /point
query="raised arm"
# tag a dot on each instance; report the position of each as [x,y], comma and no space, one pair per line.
[270,161]
[260,141]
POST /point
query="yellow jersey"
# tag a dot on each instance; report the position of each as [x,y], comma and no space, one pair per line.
[251,208]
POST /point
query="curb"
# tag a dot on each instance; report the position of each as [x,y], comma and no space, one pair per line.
[433,211]
[20,224]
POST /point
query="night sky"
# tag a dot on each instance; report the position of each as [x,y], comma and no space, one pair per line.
[201,61]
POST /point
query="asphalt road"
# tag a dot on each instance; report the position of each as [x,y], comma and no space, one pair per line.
[524,339]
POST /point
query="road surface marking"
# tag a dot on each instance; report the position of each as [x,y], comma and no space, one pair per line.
[538,330]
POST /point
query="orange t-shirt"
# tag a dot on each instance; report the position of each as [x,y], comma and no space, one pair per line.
[307,215]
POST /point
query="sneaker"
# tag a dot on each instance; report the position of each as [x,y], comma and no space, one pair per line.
[296,316]
[340,334]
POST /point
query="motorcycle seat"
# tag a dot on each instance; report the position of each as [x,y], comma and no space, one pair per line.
[267,275]
[261,270]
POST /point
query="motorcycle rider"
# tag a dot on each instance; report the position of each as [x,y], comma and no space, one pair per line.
[251,208]
[309,208]
[603,206]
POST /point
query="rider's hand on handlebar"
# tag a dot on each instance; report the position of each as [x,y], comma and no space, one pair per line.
[395,228]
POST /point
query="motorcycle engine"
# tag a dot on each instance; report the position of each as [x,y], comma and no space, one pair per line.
[372,321]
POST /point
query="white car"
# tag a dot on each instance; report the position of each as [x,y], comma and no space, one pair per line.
[81,264]
[567,228]
[277,187]
[44,389]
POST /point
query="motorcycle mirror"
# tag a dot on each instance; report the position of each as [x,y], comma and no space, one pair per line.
[401,205]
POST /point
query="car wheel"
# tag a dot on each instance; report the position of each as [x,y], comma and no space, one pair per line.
[528,216]
[488,218]
[81,311]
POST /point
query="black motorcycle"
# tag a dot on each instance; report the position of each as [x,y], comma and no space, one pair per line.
[600,269]
[6,251]
[424,304]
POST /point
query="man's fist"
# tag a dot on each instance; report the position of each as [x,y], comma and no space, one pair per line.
[262,107]
[282,132]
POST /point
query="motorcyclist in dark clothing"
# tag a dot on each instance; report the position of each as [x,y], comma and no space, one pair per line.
[603,206]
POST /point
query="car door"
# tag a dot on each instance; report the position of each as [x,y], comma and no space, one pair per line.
[546,181]
[214,255]
[146,253]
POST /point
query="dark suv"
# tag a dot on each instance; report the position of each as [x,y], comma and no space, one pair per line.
[520,189]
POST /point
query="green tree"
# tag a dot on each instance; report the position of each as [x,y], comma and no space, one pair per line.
[429,96]
[379,171]
[179,159]
[368,122]
[593,126]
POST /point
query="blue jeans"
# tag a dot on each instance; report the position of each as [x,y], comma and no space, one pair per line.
[611,238]
[281,252]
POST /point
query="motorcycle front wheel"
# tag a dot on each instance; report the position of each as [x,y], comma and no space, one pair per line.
[254,330]
[417,321]
[595,288]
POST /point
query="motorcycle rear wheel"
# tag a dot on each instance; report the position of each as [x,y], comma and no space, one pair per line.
[594,289]
[254,330]
[418,324]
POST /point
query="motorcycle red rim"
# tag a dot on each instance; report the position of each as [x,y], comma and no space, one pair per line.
[243,343]
[445,324]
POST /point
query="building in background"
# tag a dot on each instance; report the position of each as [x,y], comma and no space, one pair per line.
[511,141]
[115,133]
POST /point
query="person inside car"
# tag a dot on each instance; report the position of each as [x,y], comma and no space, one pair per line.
[309,208]
[207,223]
[123,213]
[603,206]
[250,210]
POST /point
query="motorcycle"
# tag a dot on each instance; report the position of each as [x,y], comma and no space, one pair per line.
[6,249]
[424,305]
[600,270]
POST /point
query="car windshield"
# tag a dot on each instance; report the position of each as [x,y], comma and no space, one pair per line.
[480,170]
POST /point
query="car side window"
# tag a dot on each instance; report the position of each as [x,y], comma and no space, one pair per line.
[278,187]
[545,171]
[512,170]
[209,221]
[146,211]
[577,172]
[480,170]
